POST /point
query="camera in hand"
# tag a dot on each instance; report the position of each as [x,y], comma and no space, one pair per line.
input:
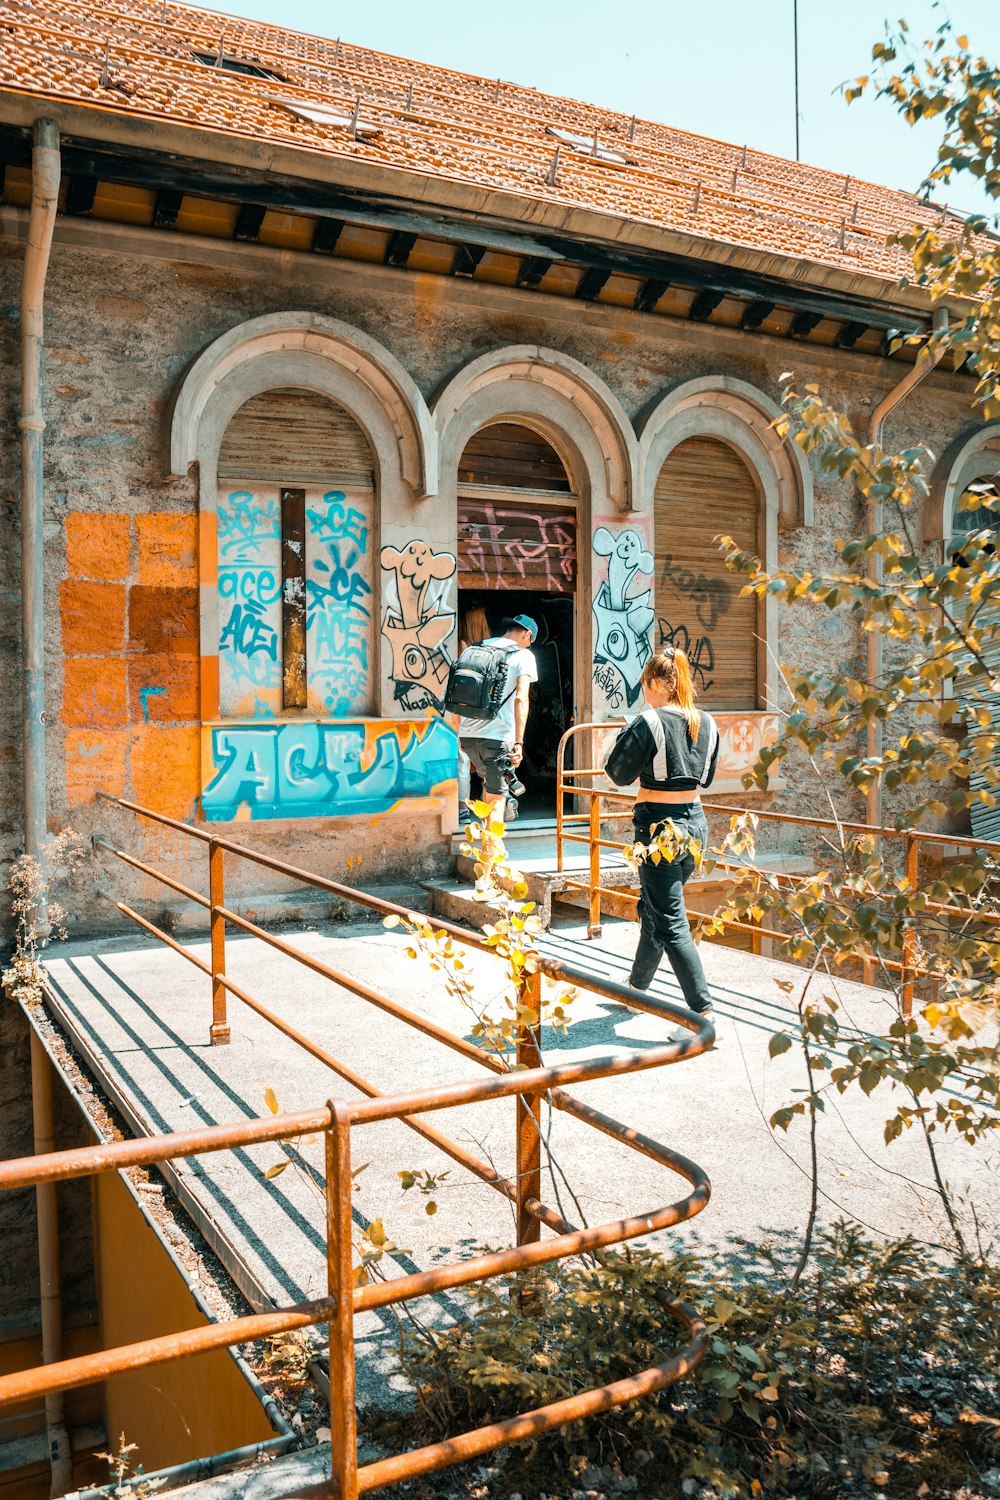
[505,766]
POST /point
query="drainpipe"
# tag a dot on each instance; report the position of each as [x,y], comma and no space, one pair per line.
[45,167]
[927,360]
[47,1209]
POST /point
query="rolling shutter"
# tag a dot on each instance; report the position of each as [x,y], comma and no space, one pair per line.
[513,457]
[296,437]
[704,490]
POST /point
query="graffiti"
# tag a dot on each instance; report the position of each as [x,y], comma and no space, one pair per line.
[145,693]
[699,651]
[325,770]
[249,598]
[514,548]
[246,632]
[244,523]
[609,680]
[417,622]
[338,607]
[622,619]
[711,597]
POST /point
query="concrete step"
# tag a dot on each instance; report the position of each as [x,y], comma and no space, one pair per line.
[303,907]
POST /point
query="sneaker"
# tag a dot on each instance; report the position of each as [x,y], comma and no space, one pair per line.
[511,811]
[683,1034]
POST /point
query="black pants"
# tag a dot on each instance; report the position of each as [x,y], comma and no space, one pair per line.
[663,920]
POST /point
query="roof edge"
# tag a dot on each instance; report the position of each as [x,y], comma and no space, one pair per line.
[112,127]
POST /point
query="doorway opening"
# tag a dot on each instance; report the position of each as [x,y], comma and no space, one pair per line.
[517,554]
[551,711]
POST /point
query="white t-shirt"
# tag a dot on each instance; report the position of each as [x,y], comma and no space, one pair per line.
[520,663]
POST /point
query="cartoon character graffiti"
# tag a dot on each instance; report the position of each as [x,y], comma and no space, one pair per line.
[622,620]
[418,622]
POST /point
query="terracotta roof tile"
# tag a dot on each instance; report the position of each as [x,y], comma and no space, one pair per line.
[137,57]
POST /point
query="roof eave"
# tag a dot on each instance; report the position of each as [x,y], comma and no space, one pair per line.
[461,199]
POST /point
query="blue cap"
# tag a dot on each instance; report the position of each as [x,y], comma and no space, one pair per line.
[524,622]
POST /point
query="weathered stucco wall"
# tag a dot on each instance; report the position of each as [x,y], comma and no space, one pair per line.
[123,579]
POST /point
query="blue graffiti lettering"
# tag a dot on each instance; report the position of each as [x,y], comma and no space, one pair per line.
[314,770]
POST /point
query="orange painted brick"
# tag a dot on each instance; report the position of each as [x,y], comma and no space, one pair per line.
[94,693]
[97,545]
[167,549]
[166,768]
[95,762]
[93,617]
[162,689]
[163,621]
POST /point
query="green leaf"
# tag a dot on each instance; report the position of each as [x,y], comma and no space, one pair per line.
[779,1043]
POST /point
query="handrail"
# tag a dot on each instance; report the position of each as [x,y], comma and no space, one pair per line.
[527,1085]
[578,782]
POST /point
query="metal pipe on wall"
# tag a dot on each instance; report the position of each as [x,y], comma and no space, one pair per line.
[927,360]
[45,174]
[50,1284]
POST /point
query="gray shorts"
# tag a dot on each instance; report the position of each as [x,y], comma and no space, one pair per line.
[484,755]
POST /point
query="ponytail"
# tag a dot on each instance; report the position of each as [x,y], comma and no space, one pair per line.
[670,668]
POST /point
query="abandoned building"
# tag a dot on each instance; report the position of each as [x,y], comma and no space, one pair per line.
[306,350]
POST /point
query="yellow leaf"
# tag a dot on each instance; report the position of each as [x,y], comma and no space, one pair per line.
[276,1170]
[271,1100]
[376,1233]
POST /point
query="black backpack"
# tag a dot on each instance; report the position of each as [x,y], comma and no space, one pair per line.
[477,680]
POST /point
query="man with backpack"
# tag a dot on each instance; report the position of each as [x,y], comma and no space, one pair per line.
[489,687]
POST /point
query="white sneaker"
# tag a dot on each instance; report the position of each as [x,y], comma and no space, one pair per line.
[685,1034]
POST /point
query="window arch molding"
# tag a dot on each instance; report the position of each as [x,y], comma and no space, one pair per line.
[316,353]
[975,454]
[556,396]
[738,414]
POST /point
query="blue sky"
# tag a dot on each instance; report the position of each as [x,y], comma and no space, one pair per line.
[718,67]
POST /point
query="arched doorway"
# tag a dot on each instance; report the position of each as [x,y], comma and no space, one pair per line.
[706,489]
[518,554]
[296,490]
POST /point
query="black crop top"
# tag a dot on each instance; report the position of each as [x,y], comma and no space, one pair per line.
[656,748]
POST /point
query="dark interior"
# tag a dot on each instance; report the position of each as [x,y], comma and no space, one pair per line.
[551,697]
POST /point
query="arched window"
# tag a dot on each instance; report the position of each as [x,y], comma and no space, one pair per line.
[516,530]
[296,492]
[705,489]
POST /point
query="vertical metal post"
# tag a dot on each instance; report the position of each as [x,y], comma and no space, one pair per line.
[529,1113]
[910,936]
[560,793]
[49,1278]
[340,1281]
[45,172]
[594,924]
[217,895]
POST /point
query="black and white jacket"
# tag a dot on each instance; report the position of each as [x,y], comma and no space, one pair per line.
[657,750]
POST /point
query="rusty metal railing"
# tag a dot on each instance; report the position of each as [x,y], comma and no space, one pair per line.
[582,783]
[527,1086]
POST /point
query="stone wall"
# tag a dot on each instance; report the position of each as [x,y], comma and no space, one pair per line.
[125,322]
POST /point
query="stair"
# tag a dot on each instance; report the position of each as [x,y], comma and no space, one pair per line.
[531,849]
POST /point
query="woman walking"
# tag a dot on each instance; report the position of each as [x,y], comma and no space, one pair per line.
[672,750]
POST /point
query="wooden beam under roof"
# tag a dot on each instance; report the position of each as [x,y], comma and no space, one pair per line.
[248,222]
[704,305]
[649,293]
[591,284]
[848,334]
[168,206]
[80,195]
[531,271]
[754,314]
[467,258]
[326,234]
[397,251]
[803,324]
